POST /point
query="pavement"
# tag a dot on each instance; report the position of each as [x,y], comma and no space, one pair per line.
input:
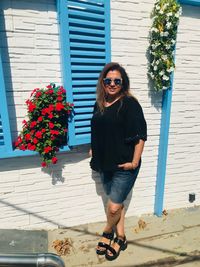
[167,241]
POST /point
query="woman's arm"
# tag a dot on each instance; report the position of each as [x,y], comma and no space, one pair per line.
[136,157]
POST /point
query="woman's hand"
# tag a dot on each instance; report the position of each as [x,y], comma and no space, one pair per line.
[128,166]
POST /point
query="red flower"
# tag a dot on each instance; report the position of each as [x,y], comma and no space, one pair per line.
[43,164]
[49,86]
[31,106]
[59,106]
[38,134]
[54,132]
[54,160]
[51,125]
[50,116]
[40,118]
[22,147]
[47,149]
[35,140]
[43,130]
[27,137]
[33,124]
[59,98]
[38,94]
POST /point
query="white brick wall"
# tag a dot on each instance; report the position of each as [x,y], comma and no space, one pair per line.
[183,171]
[70,193]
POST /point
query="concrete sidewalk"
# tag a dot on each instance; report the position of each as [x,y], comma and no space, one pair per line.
[172,240]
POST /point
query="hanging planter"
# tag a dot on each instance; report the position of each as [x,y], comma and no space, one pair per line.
[162,42]
[45,130]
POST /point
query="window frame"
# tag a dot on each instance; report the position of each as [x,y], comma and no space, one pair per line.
[8,151]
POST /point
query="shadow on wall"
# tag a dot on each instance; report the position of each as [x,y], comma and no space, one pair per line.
[77,154]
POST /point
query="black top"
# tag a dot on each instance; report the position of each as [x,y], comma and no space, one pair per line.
[115,132]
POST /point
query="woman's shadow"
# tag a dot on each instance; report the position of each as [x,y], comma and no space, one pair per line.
[101,193]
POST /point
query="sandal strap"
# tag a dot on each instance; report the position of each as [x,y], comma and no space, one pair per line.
[112,250]
[108,235]
[120,242]
[103,245]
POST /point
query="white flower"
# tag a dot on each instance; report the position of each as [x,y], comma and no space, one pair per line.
[164,87]
[170,69]
[161,34]
[173,41]
[168,46]
[164,57]
[161,73]
[161,12]
[177,15]
[152,75]
[157,62]
[180,11]
[155,67]
[165,34]
[157,7]
[154,29]
[169,14]
[165,77]
[168,25]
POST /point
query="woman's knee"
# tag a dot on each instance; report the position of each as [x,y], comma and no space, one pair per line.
[114,208]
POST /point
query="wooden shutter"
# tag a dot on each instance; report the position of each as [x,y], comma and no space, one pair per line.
[86,49]
[5,134]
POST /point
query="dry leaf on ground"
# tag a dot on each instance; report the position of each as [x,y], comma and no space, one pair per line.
[63,247]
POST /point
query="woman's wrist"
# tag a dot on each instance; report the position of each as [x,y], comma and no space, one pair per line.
[134,164]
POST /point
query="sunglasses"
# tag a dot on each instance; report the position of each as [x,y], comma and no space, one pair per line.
[108,81]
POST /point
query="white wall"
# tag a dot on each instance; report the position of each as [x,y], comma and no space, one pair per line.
[69,193]
[183,170]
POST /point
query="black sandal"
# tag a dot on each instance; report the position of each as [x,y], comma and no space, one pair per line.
[103,244]
[122,246]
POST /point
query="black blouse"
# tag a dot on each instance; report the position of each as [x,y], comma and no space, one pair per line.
[115,132]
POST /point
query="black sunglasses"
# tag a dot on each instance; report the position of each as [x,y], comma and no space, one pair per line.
[108,81]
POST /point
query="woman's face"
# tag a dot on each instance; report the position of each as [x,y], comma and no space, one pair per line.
[113,83]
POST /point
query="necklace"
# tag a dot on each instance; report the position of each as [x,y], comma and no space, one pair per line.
[109,103]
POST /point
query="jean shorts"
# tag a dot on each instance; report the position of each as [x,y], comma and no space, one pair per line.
[117,184]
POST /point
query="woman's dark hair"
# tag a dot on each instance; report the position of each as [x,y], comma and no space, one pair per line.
[101,95]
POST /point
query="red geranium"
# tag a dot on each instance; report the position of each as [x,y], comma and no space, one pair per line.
[45,131]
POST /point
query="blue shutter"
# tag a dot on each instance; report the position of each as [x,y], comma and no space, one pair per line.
[5,134]
[85,44]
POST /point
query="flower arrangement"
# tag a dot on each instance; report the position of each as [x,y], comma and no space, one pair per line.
[45,131]
[162,42]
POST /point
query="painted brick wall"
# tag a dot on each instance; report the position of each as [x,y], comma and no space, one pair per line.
[183,170]
[70,193]
[35,198]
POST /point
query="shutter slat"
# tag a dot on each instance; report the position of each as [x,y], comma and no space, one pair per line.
[82,123]
[83,116]
[88,68]
[78,4]
[90,32]
[85,15]
[83,110]
[84,103]
[87,45]
[87,23]
[85,75]
[87,53]
[84,90]
[88,82]
[87,60]
[82,130]
[89,38]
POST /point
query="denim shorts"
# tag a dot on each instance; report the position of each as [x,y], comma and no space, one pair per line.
[117,184]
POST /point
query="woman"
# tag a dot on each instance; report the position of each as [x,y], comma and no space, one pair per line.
[118,133]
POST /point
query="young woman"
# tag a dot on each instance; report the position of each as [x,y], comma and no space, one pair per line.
[118,134]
